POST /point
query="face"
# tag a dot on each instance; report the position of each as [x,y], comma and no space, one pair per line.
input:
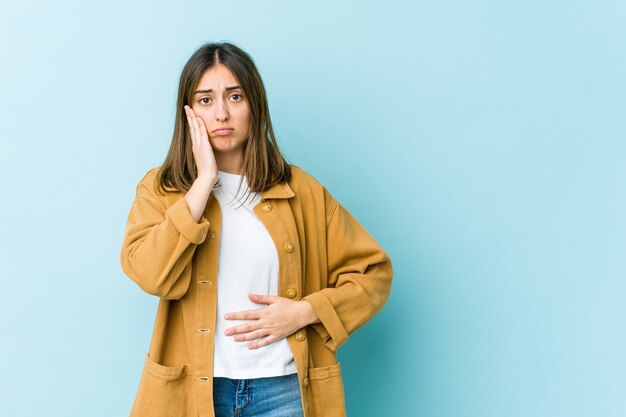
[220,103]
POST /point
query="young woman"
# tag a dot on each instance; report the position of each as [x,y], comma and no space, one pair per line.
[261,274]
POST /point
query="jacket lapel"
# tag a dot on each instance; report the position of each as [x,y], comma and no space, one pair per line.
[278,190]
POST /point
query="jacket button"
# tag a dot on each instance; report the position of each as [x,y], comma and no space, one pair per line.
[205,282]
[288,247]
[305,381]
[290,292]
[211,235]
[204,329]
[267,207]
[300,336]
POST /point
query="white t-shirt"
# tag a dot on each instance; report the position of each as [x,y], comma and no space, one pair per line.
[247,263]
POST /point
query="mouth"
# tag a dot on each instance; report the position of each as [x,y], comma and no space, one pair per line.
[222,132]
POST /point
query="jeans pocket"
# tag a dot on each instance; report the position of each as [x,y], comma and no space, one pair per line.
[327,391]
[164,391]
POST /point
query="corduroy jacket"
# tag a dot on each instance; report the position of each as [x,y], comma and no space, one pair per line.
[325,257]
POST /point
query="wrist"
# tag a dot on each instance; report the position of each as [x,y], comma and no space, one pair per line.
[309,314]
[207,179]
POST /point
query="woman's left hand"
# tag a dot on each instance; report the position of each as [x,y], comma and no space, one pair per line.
[280,318]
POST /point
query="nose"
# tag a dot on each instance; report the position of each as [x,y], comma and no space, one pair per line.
[221,113]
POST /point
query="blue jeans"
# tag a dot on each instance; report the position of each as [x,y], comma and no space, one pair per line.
[276,396]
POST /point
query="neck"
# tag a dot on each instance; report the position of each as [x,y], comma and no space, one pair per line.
[230,162]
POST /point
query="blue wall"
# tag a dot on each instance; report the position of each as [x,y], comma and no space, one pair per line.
[482,143]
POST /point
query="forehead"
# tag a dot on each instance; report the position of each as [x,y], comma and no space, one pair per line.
[218,76]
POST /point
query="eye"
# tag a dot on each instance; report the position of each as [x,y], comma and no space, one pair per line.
[238,95]
[204,98]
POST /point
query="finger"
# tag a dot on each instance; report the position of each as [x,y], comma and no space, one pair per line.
[194,125]
[190,124]
[251,335]
[244,315]
[263,342]
[263,299]
[244,328]
[204,134]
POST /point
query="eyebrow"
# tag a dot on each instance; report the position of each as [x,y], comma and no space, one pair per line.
[210,90]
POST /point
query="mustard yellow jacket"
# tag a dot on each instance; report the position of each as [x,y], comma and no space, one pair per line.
[325,257]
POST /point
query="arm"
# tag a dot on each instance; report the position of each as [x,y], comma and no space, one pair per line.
[358,282]
[159,242]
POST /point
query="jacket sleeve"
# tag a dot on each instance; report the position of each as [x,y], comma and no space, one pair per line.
[358,281]
[159,243]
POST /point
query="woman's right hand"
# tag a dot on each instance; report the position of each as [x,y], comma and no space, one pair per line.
[200,145]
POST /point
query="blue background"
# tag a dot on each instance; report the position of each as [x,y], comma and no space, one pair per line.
[482,143]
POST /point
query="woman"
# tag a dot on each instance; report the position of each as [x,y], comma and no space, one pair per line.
[261,274]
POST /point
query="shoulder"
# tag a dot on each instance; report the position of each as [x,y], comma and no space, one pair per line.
[309,190]
[146,185]
[304,184]
[150,176]
[302,178]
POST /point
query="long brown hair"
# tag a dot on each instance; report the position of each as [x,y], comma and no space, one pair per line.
[263,163]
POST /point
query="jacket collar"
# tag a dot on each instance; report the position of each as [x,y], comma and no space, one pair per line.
[278,190]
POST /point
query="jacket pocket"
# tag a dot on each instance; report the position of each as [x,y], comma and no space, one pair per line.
[164,391]
[327,391]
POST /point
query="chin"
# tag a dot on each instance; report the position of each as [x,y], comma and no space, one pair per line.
[221,142]
[223,145]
